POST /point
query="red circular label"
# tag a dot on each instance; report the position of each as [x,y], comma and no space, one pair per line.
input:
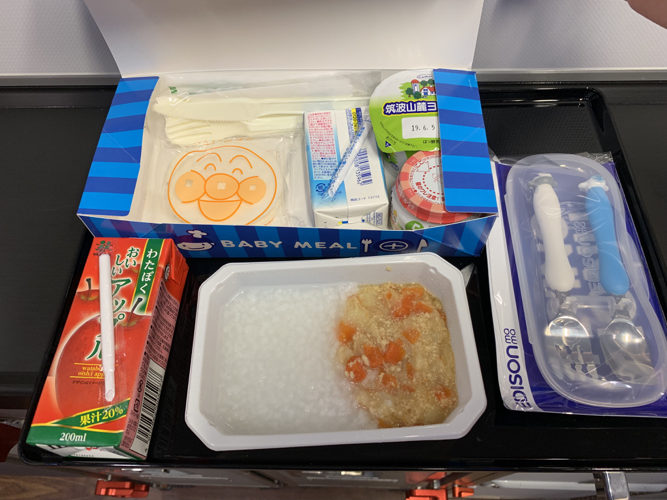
[420,190]
[425,179]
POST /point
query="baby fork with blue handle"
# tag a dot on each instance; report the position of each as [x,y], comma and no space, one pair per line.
[623,344]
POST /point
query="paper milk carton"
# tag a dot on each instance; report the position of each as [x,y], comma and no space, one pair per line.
[361,201]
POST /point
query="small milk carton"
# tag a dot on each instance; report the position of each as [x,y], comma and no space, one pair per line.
[72,416]
[361,201]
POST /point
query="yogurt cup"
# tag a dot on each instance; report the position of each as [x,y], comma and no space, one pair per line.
[418,200]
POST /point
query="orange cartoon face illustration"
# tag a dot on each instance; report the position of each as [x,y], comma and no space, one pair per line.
[225,184]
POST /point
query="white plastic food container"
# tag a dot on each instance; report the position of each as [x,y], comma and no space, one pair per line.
[441,278]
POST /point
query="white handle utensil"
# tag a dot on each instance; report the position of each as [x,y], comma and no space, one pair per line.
[558,272]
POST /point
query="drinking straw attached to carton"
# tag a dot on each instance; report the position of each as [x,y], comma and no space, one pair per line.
[348,158]
[107,332]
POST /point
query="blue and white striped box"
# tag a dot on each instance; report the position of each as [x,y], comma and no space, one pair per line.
[467,177]
[466,169]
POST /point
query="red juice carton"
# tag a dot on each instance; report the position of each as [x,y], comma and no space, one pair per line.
[72,417]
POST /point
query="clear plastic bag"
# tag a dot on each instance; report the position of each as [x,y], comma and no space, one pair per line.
[227,148]
[204,109]
[239,181]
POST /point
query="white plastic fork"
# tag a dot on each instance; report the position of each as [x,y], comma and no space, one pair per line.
[185,132]
[245,109]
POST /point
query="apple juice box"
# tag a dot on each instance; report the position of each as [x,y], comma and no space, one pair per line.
[72,417]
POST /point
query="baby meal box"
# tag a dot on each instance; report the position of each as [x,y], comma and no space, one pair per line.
[205,141]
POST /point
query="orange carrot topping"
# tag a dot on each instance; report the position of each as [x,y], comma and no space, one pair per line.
[372,356]
[443,394]
[354,369]
[404,307]
[414,291]
[409,296]
[409,369]
[411,335]
[420,307]
[394,352]
[388,381]
[345,332]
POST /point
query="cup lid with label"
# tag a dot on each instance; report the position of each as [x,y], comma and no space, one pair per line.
[420,191]
[404,112]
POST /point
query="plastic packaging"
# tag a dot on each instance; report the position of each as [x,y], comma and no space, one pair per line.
[226,116]
[255,103]
[204,387]
[258,117]
[578,326]
[238,181]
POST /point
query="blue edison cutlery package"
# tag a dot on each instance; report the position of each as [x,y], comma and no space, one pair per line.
[578,325]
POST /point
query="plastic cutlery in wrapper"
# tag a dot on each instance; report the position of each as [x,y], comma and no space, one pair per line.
[591,334]
[184,132]
[194,116]
[245,97]
[235,109]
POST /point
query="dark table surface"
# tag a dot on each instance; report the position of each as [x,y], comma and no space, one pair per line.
[50,136]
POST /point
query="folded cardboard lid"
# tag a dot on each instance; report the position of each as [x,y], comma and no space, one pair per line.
[154,37]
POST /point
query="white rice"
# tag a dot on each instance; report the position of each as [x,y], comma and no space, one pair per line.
[277,371]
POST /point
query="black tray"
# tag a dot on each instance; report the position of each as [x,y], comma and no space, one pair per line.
[48,138]
[520,120]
